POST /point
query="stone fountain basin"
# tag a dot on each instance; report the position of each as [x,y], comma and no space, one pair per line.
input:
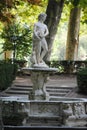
[63,112]
[67,100]
[59,99]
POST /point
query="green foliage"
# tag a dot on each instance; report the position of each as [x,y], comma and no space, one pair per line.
[82,80]
[21,63]
[67,66]
[75,2]
[18,36]
[83,3]
[82,71]
[7,74]
[23,12]
[61,36]
[27,12]
[2,5]
[84,16]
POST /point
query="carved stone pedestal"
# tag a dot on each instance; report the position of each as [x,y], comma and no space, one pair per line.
[39,78]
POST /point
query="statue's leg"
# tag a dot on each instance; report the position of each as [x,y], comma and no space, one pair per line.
[38,51]
[44,47]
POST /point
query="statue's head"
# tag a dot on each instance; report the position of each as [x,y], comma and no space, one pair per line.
[42,16]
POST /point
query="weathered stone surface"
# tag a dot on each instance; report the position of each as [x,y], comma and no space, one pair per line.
[39,78]
[65,112]
[75,114]
[40,47]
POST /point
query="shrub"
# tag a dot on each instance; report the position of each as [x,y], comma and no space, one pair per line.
[17,37]
[82,80]
[7,74]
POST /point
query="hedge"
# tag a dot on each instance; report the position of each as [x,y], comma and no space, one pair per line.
[82,80]
[7,74]
[67,66]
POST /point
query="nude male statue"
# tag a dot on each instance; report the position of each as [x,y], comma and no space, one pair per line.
[40,47]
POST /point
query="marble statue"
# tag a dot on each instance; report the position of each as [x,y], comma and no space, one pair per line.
[40,47]
[38,69]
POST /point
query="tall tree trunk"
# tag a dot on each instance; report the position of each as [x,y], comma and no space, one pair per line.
[54,11]
[73,34]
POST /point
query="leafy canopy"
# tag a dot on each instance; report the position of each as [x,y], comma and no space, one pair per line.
[17,35]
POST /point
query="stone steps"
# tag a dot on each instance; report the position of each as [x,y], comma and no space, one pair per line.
[57,94]
[17,92]
[21,85]
[58,90]
[54,91]
[21,88]
[58,87]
